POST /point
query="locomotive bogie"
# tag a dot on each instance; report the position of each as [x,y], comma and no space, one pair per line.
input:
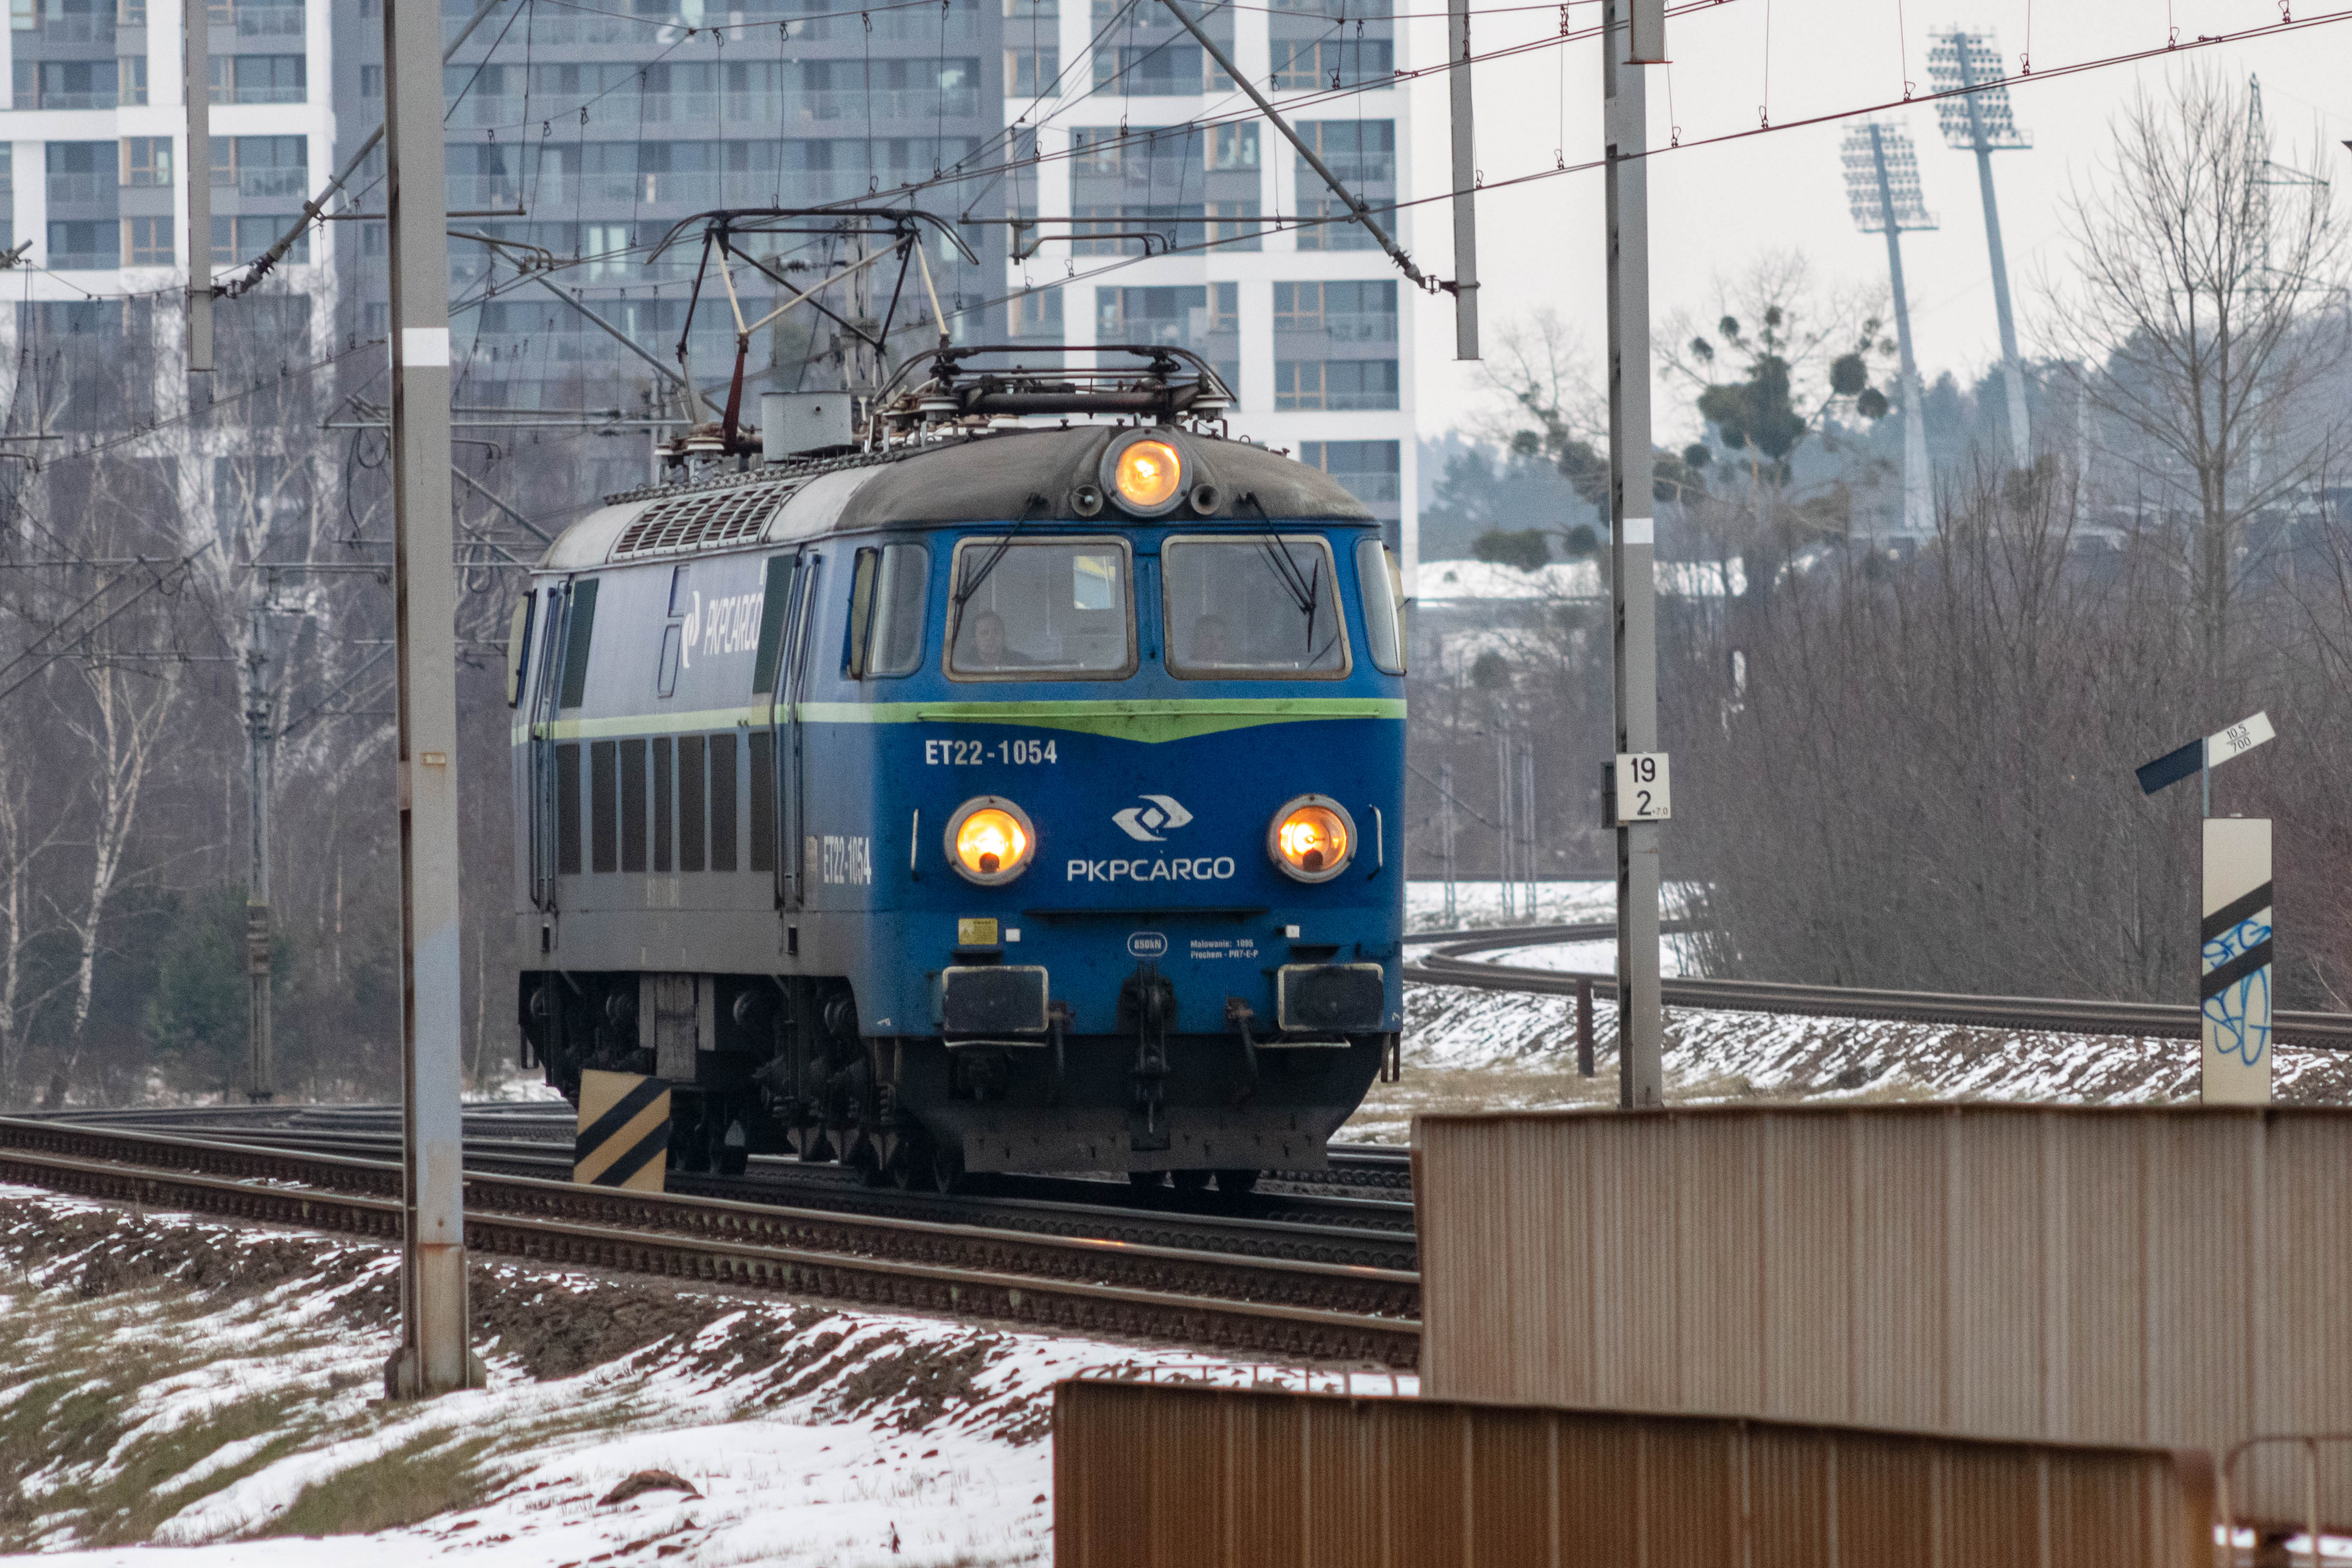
[919,823]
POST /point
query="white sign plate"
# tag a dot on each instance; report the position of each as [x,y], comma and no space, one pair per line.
[2235,963]
[1643,793]
[2237,739]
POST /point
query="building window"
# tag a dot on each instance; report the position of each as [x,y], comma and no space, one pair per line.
[371,81]
[147,161]
[147,242]
[240,239]
[1034,73]
[1231,147]
[1234,226]
[264,168]
[1339,384]
[81,174]
[1362,154]
[1158,70]
[131,14]
[1331,63]
[259,78]
[79,246]
[1203,317]
[65,84]
[1371,470]
[1346,311]
[1037,312]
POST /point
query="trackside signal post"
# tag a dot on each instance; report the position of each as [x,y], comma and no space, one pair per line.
[2236,924]
[432,1357]
[1633,34]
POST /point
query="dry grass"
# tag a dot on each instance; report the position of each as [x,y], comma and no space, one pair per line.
[406,1486]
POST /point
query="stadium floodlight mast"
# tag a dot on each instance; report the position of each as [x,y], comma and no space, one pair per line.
[1979,120]
[1882,186]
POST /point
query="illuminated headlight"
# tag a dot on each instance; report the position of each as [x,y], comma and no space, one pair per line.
[1146,473]
[989,840]
[1312,838]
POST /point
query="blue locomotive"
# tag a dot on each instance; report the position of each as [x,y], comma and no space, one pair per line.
[975,797]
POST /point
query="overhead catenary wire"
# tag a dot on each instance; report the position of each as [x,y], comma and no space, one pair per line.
[2283,26]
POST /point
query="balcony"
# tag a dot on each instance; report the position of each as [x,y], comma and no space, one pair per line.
[269,21]
[82,189]
[270,184]
[908,103]
[77,29]
[485,193]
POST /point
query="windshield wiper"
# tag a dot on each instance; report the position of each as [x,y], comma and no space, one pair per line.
[963,594]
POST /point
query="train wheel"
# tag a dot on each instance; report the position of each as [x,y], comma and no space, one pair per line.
[1236,1182]
[1189,1181]
[868,1166]
[911,1166]
[690,1147]
[947,1170]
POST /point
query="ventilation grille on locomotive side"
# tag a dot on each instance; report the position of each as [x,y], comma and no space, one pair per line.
[705,522]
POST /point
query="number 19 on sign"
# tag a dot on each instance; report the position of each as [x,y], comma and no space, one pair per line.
[1642,791]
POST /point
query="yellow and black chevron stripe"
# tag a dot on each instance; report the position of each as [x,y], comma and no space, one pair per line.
[623,1140]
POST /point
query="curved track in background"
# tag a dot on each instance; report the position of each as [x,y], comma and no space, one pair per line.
[1449,962]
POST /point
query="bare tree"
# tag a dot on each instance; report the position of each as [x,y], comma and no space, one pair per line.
[2209,303]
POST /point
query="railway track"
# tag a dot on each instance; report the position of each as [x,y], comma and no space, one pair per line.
[1264,1306]
[1450,962]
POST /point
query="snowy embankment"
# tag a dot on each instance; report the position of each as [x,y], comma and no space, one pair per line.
[179,1394]
[1471,1050]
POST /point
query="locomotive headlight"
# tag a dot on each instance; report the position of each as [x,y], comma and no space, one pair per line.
[990,840]
[1312,838]
[1148,475]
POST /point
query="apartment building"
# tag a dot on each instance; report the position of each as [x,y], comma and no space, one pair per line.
[591,133]
[91,169]
[1309,321]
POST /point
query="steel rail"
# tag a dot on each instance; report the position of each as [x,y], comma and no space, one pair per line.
[1066,1284]
[1451,964]
[824,1189]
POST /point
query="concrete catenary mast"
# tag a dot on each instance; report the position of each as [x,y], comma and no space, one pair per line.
[1882,186]
[1979,121]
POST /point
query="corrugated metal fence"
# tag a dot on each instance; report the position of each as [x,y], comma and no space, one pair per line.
[2170,1277]
[1146,1476]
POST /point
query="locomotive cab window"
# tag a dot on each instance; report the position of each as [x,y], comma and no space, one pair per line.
[519,645]
[1048,609]
[886,591]
[1253,608]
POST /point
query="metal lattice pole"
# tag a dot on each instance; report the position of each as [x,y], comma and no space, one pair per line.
[1446,838]
[261,746]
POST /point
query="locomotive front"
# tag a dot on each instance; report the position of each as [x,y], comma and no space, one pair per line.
[1153,916]
[1071,799]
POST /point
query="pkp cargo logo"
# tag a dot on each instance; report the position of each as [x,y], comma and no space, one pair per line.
[1144,823]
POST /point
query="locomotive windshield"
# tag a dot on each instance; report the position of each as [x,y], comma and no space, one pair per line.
[1048,609]
[1257,608]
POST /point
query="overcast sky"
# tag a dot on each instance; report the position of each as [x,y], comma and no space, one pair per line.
[1715,209]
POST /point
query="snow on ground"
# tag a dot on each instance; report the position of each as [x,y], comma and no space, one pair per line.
[1473,1050]
[180,1394]
[1479,904]
[1677,955]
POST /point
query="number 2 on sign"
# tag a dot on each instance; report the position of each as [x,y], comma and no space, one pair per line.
[1643,788]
